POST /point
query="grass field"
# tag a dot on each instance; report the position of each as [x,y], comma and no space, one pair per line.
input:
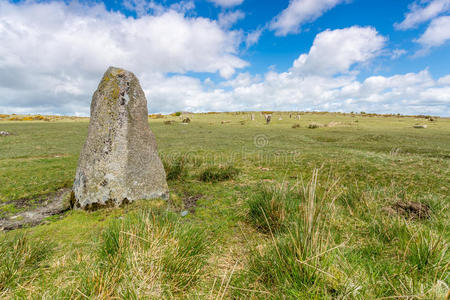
[256,212]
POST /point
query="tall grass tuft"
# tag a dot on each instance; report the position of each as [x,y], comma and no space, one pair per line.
[175,169]
[268,209]
[184,261]
[215,174]
[149,254]
[426,252]
[20,260]
[296,261]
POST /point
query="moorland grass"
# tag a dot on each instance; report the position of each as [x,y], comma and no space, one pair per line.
[218,173]
[175,169]
[20,260]
[252,236]
[294,262]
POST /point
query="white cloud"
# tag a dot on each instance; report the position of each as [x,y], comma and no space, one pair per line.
[228,19]
[300,12]
[52,56]
[420,13]
[253,37]
[144,7]
[227,3]
[413,93]
[53,52]
[396,53]
[444,80]
[336,51]
[436,34]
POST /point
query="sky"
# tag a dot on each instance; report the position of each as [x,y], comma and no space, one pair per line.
[378,56]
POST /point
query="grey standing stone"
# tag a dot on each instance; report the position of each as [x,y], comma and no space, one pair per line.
[119,162]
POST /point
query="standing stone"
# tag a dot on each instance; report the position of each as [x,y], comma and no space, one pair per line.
[253,117]
[119,162]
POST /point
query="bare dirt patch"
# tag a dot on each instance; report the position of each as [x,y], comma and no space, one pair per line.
[54,204]
[409,210]
[190,202]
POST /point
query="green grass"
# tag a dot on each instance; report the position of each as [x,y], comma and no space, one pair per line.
[21,260]
[267,225]
[146,253]
[215,174]
[295,263]
[175,169]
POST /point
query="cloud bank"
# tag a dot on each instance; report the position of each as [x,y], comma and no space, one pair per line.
[53,55]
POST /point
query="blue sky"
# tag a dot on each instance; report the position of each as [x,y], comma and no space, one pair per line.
[281,51]
[379,56]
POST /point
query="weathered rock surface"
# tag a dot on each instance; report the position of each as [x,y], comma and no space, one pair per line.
[119,162]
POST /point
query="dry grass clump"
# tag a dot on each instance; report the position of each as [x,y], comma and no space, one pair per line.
[268,209]
[296,126]
[147,255]
[20,260]
[297,259]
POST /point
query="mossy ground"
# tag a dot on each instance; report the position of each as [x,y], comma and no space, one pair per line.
[376,161]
